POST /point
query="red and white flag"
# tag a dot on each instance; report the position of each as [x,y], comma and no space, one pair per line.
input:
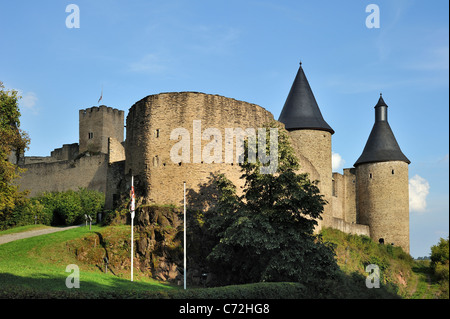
[132,206]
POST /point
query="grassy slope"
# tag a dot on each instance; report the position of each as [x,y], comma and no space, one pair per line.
[39,264]
[399,273]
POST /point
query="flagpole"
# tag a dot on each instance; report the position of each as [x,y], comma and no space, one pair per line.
[101,96]
[132,225]
[184,200]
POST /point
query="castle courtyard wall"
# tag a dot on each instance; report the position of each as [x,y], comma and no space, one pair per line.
[88,172]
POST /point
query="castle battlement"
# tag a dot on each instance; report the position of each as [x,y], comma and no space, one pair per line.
[101,108]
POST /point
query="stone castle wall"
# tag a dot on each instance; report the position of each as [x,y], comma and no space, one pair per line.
[149,125]
[66,152]
[315,146]
[89,172]
[344,195]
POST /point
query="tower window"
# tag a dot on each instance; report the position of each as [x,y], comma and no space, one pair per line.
[90,135]
[370,175]
[333,187]
[157,132]
[392,172]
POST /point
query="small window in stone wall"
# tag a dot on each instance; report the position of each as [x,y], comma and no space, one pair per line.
[392,172]
[157,133]
[90,135]
[370,175]
[333,187]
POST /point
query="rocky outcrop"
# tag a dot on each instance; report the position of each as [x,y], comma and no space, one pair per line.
[159,241]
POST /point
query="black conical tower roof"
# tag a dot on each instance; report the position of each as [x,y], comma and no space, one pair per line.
[300,111]
[381,145]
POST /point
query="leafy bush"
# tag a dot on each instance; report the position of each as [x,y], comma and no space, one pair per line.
[442,271]
[69,207]
[33,211]
[262,290]
[56,208]
[440,252]
[440,265]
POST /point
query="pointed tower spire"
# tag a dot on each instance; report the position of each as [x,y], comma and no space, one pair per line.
[300,111]
[381,145]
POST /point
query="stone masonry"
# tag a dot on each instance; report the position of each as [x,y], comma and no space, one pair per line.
[370,199]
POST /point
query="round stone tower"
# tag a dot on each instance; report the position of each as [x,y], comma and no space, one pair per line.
[382,194]
[310,136]
[158,123]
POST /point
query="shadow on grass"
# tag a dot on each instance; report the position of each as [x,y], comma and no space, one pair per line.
[44,286]
[53,287]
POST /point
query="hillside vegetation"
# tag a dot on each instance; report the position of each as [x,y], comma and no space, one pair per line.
[35,267]
[400,274]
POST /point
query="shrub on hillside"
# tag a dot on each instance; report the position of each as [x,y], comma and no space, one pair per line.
[33,211]
[440,265]
[69,207]
[440,252]
[57,208]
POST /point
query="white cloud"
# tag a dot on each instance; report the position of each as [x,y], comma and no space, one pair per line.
[28,101]
[431,59]
[209,40]
[337,162]
[419,188]
[444,159]
[150,63]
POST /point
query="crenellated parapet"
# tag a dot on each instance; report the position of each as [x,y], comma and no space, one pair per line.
[97,124]
[102,108]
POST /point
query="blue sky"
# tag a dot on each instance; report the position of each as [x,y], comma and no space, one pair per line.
[247,50]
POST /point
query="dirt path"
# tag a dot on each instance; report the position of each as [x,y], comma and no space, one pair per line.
[11,237]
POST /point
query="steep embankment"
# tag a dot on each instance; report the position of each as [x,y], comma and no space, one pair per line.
[400,274]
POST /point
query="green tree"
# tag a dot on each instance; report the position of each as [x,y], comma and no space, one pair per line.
[267,234]
[12,139]
[440,252]
[69,207]
[440,265]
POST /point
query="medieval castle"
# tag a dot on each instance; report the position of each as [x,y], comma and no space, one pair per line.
[371,198]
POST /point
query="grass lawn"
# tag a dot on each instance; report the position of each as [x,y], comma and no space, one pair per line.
[35,267]
[40,262]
